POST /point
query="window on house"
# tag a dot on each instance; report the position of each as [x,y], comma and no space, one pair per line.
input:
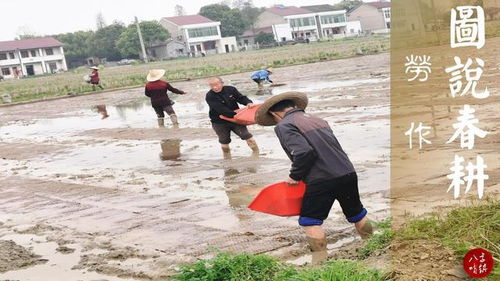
[11,56]
[387,14]
[203,31]
[3,56]
[53,67]
[302,22]
[5,71]
[332,19]
[49,52]
[24,54]
[245,41]
[33,53]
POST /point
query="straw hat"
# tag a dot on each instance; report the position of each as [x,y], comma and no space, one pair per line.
[264,118]
[270,69]
[155,74]
[94,67]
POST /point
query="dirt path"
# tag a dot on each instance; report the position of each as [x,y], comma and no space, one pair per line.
[94,199]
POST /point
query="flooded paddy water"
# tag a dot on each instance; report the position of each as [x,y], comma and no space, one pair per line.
[121,199]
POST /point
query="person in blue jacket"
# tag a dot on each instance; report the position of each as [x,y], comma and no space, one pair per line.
[262,75]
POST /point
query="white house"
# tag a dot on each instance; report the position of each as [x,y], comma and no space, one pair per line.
[31,57]
[375,17]
[307,22]
[167,50]
[201,35]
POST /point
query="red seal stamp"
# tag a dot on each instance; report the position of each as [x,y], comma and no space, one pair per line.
[478,263]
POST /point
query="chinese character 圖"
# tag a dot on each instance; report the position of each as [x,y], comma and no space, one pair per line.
[418,65]
[422,132]
[474,172]
[472,75]
[467,27]
[466,128]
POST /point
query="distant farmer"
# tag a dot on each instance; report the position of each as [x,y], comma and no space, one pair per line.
[318,160]
[94,78]
[223,100]
[157,89]
[262,75]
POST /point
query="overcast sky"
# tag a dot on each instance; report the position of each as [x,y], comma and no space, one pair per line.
[59,16]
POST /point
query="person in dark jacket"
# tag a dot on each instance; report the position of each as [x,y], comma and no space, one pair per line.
[223,100]
[157,89]
[94,78]
[318,160]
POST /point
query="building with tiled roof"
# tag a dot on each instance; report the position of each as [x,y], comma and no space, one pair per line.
[201,35]
[307,22]
[31,57]
[375,17]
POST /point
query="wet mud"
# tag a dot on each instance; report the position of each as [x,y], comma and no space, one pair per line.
[118,198]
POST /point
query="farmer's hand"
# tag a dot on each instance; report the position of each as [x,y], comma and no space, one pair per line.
[250,105]
[291,181]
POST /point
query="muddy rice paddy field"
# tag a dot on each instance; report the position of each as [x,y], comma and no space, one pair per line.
[85,198]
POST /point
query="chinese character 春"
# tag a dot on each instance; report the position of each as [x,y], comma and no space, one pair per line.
[467,29]
[417,65]
[466,128]
[471,75]
[474,172]
[422,132]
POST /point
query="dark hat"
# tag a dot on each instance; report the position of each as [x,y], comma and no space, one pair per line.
[264,118]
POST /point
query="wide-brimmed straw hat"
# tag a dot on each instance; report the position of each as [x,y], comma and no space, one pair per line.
[264,118]
[94,67]
[270,69]
[155,74]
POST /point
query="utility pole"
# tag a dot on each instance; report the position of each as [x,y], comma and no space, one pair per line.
[144,55]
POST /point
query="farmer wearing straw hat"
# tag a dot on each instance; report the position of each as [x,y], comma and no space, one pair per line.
[318,160]
[223,100]
[94,78]
[262,75]
[156,89]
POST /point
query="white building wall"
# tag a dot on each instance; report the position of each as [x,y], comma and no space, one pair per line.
[40,62]
[353,28]
[230,42]
[282,31]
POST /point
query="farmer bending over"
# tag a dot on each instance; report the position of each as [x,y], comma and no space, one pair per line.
[318,160]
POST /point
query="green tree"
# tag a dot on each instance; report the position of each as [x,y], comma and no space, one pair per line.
[128,43]
[348,5]
[230,19]
[250,14]
[264,38]
[103,42]
[76,46]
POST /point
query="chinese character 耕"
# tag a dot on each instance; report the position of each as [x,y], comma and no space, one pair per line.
[474,172]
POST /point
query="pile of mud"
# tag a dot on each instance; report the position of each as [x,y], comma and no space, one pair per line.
[13,256]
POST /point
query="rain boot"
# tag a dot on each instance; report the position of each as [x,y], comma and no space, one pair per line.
[318,248]
[173,118]
[161,122]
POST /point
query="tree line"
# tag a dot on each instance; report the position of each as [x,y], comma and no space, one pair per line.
[117,40]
